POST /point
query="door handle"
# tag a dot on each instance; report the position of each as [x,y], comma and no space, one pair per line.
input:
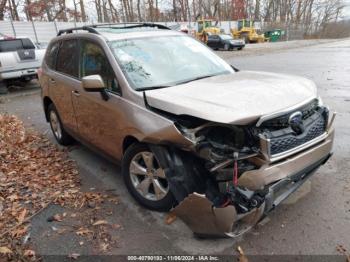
[76,93]
[52,81]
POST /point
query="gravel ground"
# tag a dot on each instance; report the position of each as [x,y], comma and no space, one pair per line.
[314,221]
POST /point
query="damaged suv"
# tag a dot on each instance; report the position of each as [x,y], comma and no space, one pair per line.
[192,132]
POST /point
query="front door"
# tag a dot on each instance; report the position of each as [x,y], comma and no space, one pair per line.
[98,120]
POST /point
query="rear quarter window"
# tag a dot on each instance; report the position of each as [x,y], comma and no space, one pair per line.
[10,45]
[51,55]
[68,58]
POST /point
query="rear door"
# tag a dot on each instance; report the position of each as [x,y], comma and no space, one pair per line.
[215,41]
[63,80]
[98,120]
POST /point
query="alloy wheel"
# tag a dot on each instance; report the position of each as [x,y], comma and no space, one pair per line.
[148,177]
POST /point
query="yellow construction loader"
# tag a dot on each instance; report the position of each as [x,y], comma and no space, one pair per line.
[246,30]
[205,28]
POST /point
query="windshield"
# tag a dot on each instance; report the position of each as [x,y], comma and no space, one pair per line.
[226,37]
[166,61]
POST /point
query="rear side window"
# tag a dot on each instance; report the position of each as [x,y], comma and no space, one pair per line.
[27,44]
[15,44]
[68,58]
[51,55]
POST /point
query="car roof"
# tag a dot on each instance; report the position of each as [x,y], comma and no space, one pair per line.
[113,32]
[4,37]
[111,36]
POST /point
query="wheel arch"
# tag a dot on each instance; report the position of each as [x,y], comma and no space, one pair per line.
[47,102]
[128,141]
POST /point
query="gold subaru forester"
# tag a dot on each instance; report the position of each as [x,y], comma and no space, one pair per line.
[220,146]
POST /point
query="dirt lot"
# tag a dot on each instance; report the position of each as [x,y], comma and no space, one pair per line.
[314,221]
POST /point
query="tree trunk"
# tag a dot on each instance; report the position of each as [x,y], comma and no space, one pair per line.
[174,10]
[131,10]
[98,10]
[2,9]
[139,10]
[150,7]
[82,11]
[13,8]
[257,11]
[105,13]
[63,10]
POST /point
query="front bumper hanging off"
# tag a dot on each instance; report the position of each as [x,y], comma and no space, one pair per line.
[280,179]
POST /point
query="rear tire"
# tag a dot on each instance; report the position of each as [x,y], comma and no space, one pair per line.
[60,134]
[145,178]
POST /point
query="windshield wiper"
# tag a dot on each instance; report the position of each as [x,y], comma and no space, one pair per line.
[145,88]
[197,78]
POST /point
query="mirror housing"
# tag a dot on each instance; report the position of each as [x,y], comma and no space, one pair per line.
[93,83]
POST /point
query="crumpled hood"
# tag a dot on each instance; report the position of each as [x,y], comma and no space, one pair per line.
[238,98]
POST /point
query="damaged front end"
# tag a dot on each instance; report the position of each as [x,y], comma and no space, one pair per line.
[233,175]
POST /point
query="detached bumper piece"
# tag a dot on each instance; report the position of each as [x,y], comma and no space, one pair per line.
[205,220]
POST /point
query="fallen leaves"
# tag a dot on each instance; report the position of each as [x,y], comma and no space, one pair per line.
[342,250]
[74,256]
[29,253]
[242,257]
[83,231]
[5,250]
[21,216]
[170,218]
[57,218]
[100,222]
[33,174]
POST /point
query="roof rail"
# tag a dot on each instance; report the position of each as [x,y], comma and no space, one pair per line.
[70,30]
[128,25]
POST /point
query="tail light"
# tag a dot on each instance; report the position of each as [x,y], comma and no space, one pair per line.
[39,72]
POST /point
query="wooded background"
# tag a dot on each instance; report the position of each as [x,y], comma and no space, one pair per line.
[312,16]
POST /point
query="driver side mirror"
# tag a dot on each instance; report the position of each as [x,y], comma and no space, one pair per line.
[93,83]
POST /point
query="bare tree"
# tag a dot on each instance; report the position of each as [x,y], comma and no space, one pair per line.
[2,9]
[82,10]
[13,10]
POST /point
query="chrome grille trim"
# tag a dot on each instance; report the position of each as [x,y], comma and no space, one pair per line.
[284,112]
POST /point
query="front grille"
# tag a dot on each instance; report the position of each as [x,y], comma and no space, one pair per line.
[282,121]
[289,141]
[283,138]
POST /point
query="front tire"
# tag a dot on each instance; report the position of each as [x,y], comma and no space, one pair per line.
[60,134]
[145,178]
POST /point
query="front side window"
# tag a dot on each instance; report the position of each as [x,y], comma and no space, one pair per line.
[68,58]
[95,62]
[155,62]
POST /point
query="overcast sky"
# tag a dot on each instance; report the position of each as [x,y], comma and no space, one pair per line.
[92,13]
[347,9]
